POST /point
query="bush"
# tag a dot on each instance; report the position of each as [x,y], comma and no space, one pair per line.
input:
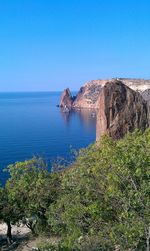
[48,247]
[106,194]
[102,202]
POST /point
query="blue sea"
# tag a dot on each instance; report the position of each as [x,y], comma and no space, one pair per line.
[32,125]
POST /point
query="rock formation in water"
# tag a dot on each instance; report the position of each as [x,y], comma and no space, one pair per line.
[120,110]
[66,100]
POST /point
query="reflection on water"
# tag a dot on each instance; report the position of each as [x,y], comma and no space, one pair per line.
[87,117]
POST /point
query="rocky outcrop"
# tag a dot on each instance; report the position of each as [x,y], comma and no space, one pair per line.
[122,105]
[136,84]
[66,101]
[88,95]
[120,110]
[146,95]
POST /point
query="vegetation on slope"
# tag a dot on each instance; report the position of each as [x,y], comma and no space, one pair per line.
[102,202]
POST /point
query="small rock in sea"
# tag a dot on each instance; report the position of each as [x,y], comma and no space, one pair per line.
[57,105]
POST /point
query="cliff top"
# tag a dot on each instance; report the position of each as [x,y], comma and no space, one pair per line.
[134,83]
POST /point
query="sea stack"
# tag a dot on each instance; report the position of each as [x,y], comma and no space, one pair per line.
[66,100]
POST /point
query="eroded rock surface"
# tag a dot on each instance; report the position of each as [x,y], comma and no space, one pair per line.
[146,95]
[122,105]
[66,100]
[89,94]
[120,110]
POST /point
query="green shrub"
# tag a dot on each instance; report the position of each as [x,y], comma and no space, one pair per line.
[106,193]
[102,202]
[47,247]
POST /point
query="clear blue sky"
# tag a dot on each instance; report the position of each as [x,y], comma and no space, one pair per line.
[51,44]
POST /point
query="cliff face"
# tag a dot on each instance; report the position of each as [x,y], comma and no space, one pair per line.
[88,95]
[146,95]
[122,105]
[121,110]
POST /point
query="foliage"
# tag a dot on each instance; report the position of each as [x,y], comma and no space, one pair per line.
[48,247]
[8,212]
[28,193]
[106,194]
[102,202]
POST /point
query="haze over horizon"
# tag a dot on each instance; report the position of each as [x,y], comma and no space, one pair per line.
[49,45]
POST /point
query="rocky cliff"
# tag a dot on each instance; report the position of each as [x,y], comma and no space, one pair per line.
[120,110]
[122,105]
[146,95]
[88,95]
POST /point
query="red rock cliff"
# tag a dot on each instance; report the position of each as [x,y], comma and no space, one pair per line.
[120,110]
[88,95]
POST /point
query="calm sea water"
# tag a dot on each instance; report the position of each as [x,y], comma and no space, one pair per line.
[31,124]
